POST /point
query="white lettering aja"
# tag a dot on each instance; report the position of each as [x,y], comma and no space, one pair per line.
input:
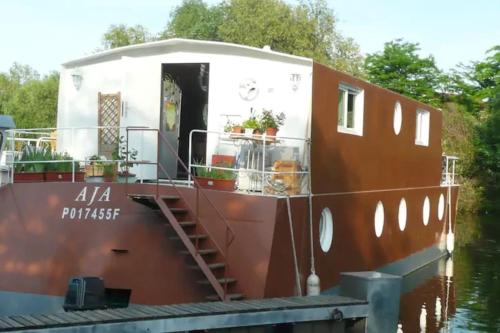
[103,195]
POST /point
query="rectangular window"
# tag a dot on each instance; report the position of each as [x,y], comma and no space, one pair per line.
[422,128]
[350,110]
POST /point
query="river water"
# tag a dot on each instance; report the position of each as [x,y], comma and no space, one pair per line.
[458,294]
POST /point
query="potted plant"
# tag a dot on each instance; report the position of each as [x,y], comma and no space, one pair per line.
[125,157]
[216,179]
[270,123]
[95,167]
[110,171]
[63,171]
[251,126]
[33,170]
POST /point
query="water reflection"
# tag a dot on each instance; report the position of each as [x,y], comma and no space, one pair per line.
[459,294]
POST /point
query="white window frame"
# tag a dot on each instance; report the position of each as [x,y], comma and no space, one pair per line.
[359,99]
[422,127]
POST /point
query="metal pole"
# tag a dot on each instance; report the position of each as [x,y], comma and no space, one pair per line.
[263,163]
[189,156]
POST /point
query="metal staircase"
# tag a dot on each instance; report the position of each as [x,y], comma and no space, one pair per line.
[210,258]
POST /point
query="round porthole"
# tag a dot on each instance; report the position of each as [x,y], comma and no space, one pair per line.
[398,118]
[441,207]
[326,230]
[402,214]
[426,209]
[379,219]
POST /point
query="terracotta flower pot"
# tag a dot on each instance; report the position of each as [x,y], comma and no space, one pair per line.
[271,131]
[237,130]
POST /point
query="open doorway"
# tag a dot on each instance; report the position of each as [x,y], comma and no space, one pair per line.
[184,107]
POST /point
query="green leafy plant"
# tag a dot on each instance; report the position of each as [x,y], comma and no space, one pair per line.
[109,169]
[209,172]
[66,166]
[251,122]
[36,155]
[269,120]
[121,153]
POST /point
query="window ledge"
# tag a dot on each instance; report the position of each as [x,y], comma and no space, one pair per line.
[352,131]
[421,143]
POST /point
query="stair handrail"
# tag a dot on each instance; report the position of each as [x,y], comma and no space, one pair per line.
[229,231]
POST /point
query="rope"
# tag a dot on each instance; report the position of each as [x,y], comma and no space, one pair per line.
[313,269]
[295,262]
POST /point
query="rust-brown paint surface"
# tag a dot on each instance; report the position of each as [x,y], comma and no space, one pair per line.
[379,159]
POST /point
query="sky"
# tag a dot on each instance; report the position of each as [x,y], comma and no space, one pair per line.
[46,33]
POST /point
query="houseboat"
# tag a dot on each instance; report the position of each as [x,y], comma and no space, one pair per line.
[153,187]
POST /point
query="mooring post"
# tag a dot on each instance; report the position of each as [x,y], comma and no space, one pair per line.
[382,291]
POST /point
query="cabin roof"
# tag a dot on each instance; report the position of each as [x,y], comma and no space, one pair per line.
[186,45]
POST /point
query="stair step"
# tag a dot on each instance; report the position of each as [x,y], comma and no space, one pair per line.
[152,197]
[221,281]
[202,251]
[191,237]
[178,210]
[231,297]
[217,265]
[187,224]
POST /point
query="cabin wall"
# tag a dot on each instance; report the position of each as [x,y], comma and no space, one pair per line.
[139,81]
[379,159]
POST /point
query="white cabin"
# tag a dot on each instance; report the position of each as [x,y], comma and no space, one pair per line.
[176,86]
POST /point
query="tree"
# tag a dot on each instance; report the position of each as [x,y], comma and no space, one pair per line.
[195,20]
[34,104]
[399,68]
[307,29]
[122,35]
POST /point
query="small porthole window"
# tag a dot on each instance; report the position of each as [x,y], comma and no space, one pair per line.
[379,219]
[441,207]
[402,214]
[426,209]
[326,230]
[398,118]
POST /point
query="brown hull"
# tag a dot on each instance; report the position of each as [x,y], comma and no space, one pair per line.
[43,244]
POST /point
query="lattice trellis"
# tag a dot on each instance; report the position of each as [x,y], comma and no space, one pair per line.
[109,116]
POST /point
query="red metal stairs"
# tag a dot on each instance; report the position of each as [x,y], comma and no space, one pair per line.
[208,257]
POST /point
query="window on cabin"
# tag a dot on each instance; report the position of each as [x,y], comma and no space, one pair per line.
[422,128]
[350,110]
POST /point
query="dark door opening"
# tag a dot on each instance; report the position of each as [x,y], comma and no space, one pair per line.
[184,107]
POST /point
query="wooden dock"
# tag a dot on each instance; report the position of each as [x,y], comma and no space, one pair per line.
[301,314]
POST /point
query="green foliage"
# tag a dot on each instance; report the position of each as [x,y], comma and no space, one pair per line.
[399,68]
[269,120]
[122,35]
[66,166]
[208,172]
[195,20]
[251,122]
[31,100]
[307,29]
[33,154]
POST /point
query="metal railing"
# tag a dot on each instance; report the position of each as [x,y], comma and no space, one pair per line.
[17,139]
[229,233]
[256,166]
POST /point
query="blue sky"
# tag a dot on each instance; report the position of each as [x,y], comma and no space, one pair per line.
[44,34]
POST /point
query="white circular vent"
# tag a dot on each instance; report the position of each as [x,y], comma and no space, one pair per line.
[402,214]
[426,209]
[398,118]
[379,219]
[441,207]
[326,230]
